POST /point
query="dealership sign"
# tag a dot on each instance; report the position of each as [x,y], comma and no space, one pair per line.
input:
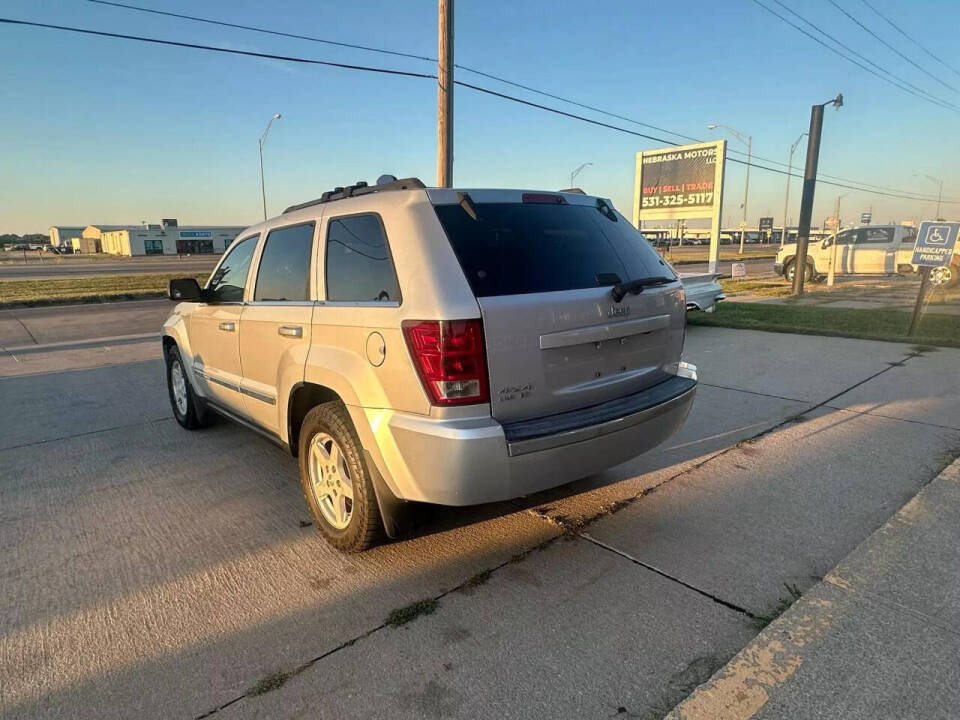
[679,182]
[196,234]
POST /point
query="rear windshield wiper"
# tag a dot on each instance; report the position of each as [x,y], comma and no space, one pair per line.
[465,202]
[634,287]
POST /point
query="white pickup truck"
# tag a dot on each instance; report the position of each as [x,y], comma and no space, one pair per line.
[866,250]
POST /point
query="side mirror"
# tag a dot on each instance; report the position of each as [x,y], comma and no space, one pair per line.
[184,290]
[827,243]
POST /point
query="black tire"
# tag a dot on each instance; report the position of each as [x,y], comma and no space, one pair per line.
[364,528]
[194,414]
[789,270]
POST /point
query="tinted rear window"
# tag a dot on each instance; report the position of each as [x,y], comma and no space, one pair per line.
[519,248]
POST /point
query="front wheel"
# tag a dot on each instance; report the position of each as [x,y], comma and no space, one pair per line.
[187,408]
[790,271]
[336,484]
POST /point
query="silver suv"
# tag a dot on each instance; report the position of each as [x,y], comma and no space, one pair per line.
[432,345]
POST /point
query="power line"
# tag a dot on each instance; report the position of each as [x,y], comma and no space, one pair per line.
[902,32]
[574,116]
[886,44]
[475,71]
[886,75]
[213,48]
[262,30]
[845,57]
[477,88]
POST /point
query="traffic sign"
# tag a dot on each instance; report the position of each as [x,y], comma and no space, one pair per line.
[865,218]
[766,227]
[936,243]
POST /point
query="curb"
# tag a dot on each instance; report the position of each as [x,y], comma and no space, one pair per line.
[744,686]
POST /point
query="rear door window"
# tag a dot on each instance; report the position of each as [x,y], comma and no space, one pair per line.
[284,273]
[520,248]
[359,267]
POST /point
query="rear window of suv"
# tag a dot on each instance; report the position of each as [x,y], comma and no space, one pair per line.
[520,248]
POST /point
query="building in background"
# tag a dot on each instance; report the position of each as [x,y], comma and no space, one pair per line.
[167,238]
[63,234]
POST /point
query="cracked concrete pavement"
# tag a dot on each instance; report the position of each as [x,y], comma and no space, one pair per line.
[152,572]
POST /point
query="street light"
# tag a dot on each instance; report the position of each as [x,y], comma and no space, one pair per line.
[748,141]
[786,199]
[939,183]
[263,139]
[576,172]
[809,189]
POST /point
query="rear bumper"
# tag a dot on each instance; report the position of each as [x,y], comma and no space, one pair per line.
[477,460]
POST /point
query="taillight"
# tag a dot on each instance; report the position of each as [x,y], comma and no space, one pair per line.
[450,359]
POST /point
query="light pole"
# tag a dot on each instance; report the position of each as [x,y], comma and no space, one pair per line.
[576,172]
[833,246]
[263,139]
[809,189]
[748,141]
[939,183]
[786,199]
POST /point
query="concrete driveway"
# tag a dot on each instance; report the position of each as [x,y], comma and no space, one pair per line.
[153,572]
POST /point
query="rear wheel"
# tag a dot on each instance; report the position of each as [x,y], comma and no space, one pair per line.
[336,484]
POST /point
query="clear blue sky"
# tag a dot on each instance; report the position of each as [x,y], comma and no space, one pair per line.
[113,131]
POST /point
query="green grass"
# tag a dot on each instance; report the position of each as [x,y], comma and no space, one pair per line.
[763,288]
[101,288]
[881,324]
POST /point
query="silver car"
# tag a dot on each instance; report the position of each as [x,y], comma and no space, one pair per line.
[428,345]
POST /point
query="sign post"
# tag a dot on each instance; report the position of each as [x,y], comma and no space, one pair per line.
[934,248]
[766,228]
[680,183]
[866,218]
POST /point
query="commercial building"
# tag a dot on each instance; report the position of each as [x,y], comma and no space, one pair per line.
[167,238]
[63,234]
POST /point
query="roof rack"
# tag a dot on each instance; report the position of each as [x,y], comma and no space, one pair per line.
[360,188]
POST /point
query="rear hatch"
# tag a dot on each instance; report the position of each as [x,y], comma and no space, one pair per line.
[543,266]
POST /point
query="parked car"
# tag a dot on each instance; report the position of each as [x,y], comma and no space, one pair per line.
[456,347]
[702,290]
[866,250]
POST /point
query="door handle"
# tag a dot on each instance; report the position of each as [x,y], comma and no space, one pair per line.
[290,331]
[228,326]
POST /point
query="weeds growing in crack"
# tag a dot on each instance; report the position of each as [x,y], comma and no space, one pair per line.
[921,349]
[783,604]
[268,683]
[476,581]
[408,613]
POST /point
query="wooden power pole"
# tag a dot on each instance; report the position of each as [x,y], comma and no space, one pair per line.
[445,96]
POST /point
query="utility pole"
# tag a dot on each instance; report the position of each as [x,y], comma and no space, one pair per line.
[939,183]
[445,95]
[786,199]
[809,187]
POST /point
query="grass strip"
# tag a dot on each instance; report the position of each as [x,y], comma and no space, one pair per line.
[881,324]
[100,288]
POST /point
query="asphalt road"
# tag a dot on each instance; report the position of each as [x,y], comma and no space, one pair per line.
[153,572]
[79,266]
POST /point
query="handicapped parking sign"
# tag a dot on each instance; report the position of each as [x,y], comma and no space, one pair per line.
[936,243]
